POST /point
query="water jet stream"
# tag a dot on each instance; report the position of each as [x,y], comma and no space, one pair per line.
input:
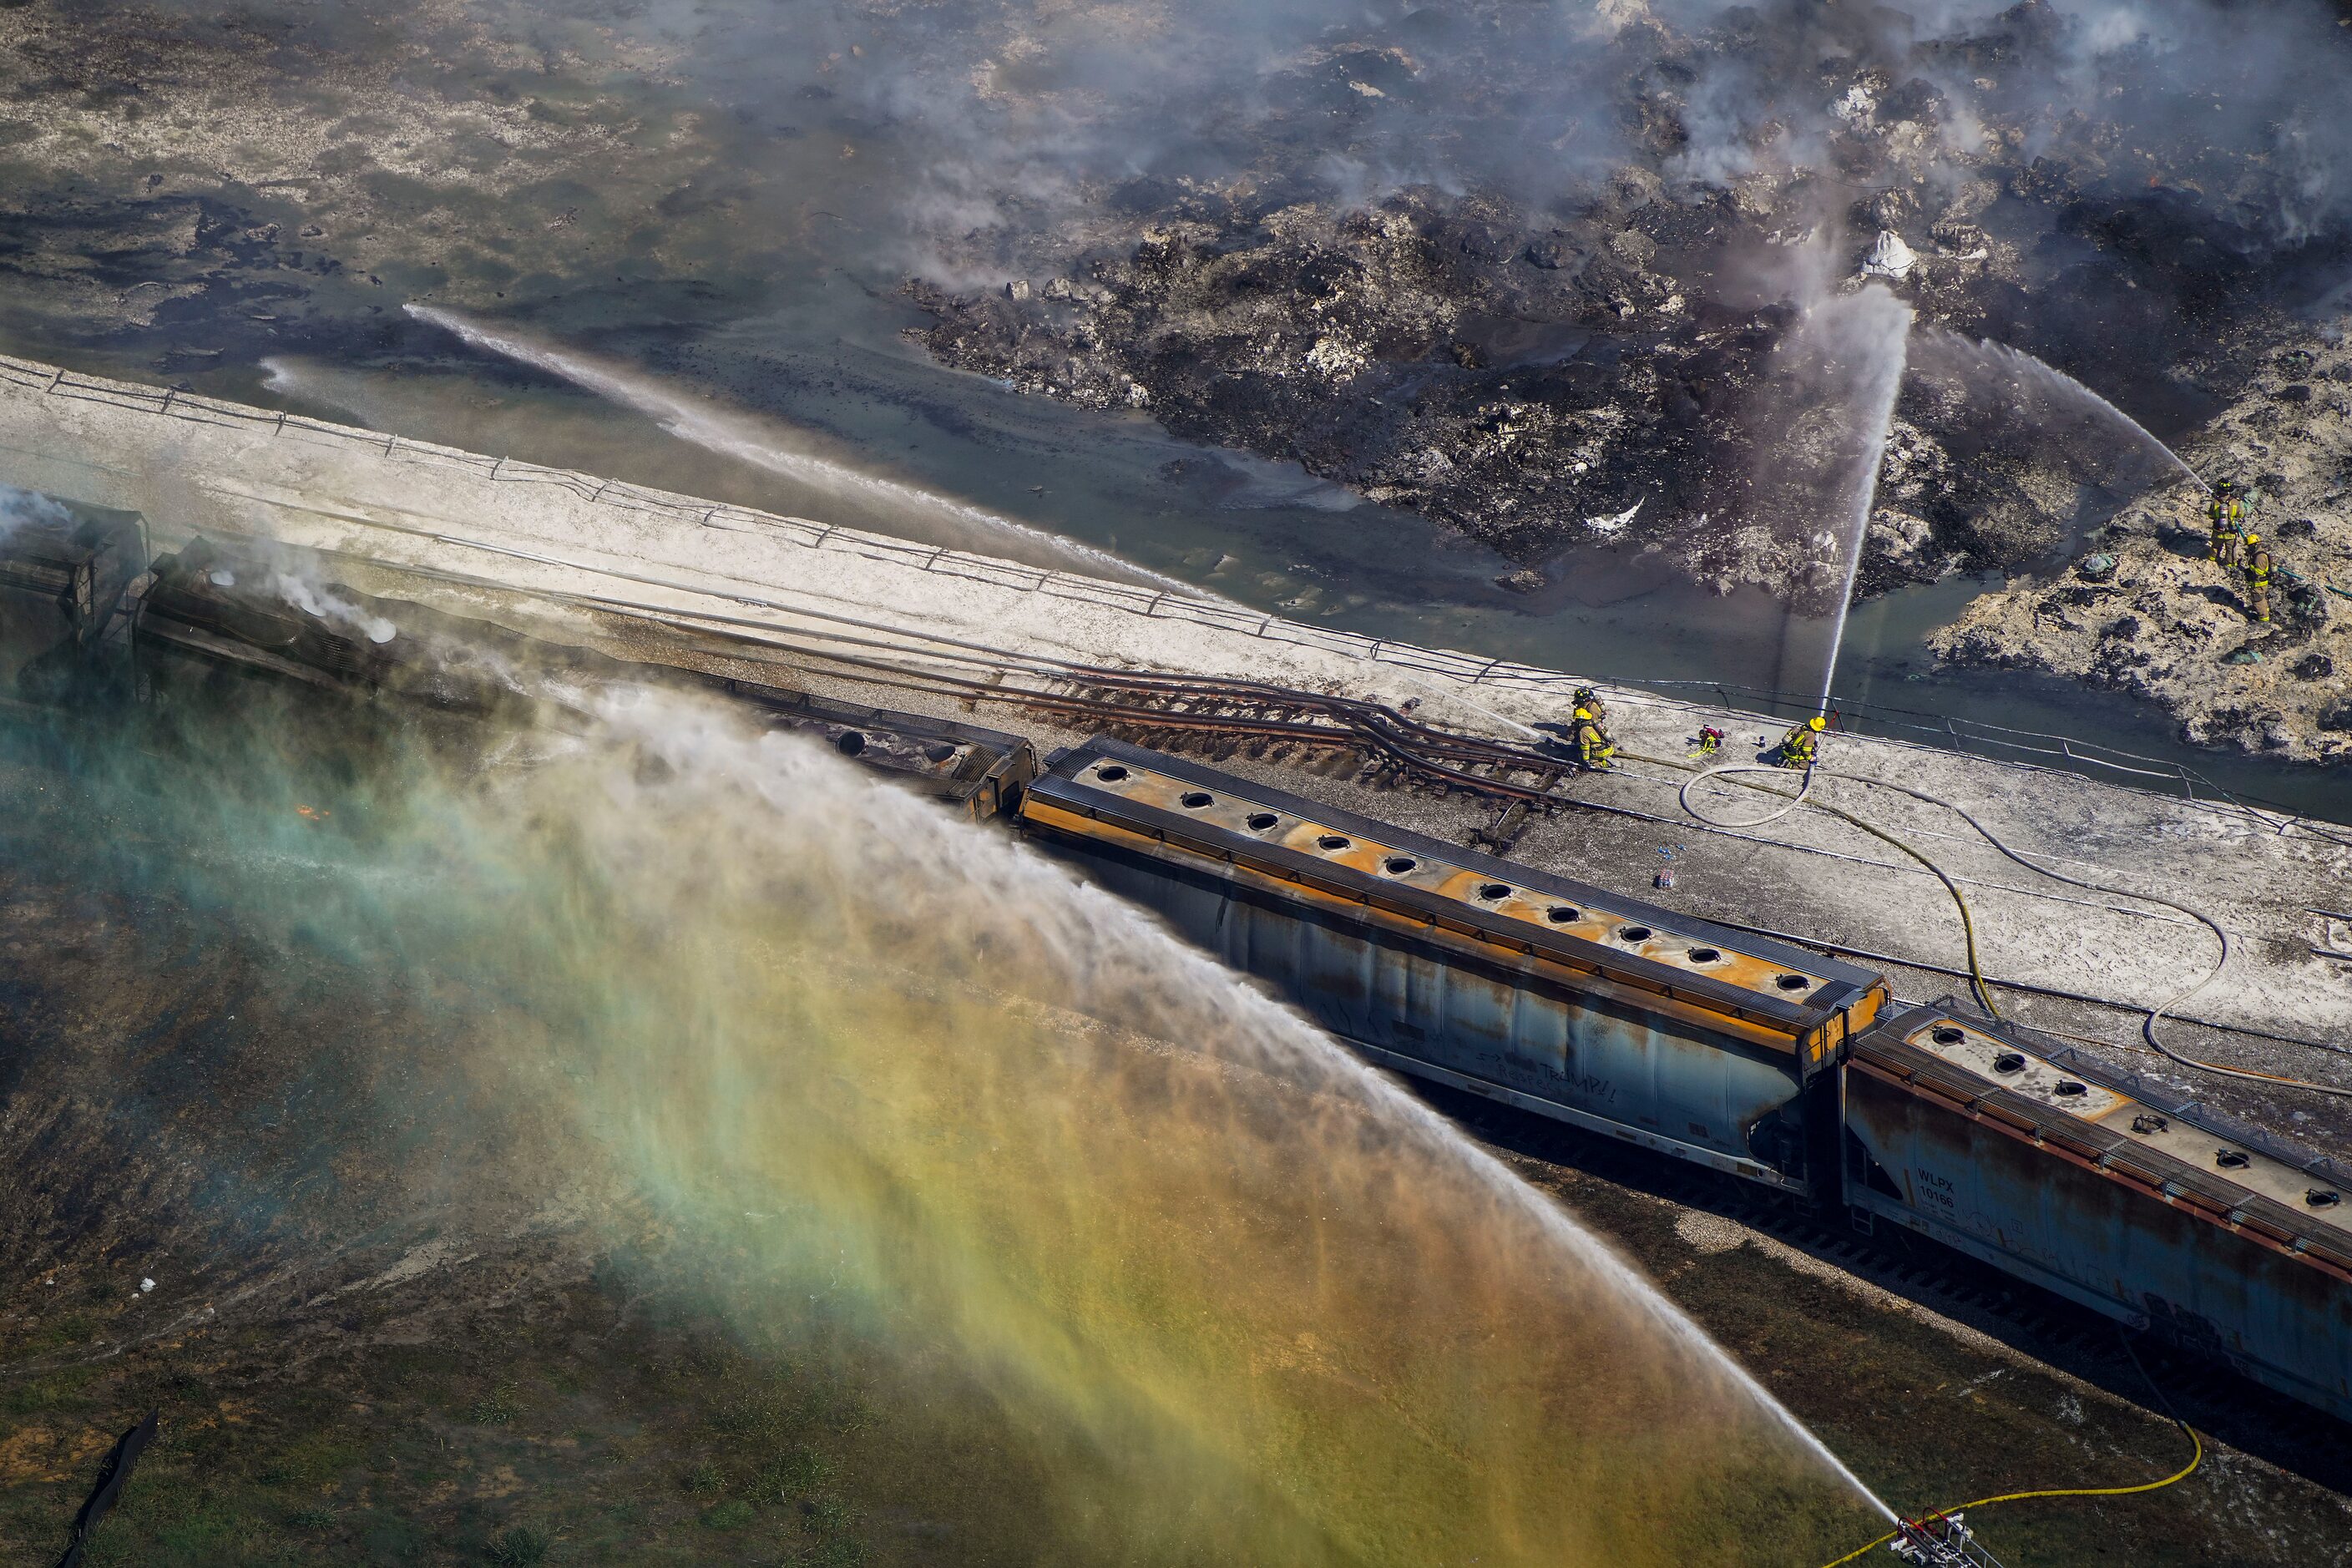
[760,443]
[1990,362]
[1879,331]
[1823,414]
[877,1066]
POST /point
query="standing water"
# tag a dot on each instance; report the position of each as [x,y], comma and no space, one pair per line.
[873,1071]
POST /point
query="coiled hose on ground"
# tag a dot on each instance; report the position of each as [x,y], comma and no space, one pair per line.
[1802,797]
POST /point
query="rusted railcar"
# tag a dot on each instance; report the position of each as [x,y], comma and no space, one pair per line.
[2105,1189]
[218,622]
[1624,1019]
[1700,1042]
[64,568]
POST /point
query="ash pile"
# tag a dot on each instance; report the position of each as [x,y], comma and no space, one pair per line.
[2248,646]
[1529,281]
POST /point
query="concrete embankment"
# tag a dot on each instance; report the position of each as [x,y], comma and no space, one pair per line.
[527,543]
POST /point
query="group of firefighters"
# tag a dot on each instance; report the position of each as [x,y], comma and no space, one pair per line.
[2236,547]
[1590,743]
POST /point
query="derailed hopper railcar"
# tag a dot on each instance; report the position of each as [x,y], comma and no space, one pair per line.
[216,624]
[2106,1190]
[228,619]
[1741,1053]
[1624,1019]
[64,569]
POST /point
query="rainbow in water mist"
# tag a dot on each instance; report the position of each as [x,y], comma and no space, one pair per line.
[1234,1297]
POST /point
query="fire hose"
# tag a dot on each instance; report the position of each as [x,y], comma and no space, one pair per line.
[2196,1457]
[1976,974]
[1959,899]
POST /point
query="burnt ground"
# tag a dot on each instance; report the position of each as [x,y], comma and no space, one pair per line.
[375,1334]
[375,1338]
[1527,367]
[1439,257]
[2146,612]
[1526,378]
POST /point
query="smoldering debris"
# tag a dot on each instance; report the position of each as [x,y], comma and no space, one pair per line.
[2036,176]
[1510,267]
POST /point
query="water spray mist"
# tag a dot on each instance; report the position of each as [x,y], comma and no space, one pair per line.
[871,1068]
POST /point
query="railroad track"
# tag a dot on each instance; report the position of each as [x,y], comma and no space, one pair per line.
[1215,719]
[1383,747]
[1386,746]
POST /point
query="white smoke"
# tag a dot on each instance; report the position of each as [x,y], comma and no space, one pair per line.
[316,599]
[19,508]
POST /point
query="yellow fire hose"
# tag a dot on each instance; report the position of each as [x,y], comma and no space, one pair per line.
[1804,789]
[1968,924]
[2196,1457]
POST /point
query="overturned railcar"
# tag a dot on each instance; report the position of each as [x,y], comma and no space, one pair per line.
[2035,1159]
[64,568]
[213,621]
[1626,1020]
[980,773]
[222,618]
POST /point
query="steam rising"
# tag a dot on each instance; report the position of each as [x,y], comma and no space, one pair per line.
[314,599]
[874,1068]
[977,116]
[19,507]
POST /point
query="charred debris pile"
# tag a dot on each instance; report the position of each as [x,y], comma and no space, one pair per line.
[1526,358]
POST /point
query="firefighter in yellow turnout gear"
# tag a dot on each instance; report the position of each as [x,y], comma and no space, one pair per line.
[1801,747]
[1593,746]
[2227,516]
[2254,561]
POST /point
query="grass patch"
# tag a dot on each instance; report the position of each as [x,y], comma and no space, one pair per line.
[793,1474]
[732,1514]
[830,1515]
[39,1394]
[310,1464]
[498,1408]
[56,1333]
[518,1546]
[179,1527]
